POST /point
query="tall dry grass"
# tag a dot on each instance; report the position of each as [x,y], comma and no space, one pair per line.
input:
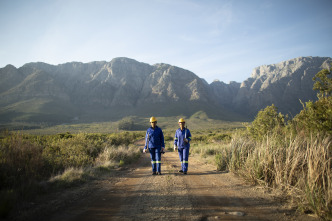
[28,163]
[121,154]
[300,165]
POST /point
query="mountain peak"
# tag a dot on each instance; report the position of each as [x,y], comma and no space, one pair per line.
[287,68]
[103,90]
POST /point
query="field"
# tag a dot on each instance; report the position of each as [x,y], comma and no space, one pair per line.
[199,121]
[38,161]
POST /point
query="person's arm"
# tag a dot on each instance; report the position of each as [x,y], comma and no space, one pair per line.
[175,140]
[162,139]
[188,135]
[146,141]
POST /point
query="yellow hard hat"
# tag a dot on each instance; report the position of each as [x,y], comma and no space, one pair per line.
[153,119]
[181,120]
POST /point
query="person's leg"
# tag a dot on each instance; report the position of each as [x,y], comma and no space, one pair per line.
[158,160]
[181,158]
[153,159]
[185,159]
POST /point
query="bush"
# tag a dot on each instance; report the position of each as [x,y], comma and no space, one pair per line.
[316,116]
[20,161]
[121,154]
[212,137]
[265,122]
[221,161]
[77,151]
[31,164]
[126,124]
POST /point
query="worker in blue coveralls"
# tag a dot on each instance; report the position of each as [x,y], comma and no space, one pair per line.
[182,143]
[154,141]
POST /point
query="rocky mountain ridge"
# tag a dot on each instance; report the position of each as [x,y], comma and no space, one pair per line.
[101,90]
[283,84]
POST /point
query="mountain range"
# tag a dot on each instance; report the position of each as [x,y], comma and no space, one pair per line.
[103,91]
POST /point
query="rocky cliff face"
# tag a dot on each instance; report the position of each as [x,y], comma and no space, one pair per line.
[109,89]
[283,84]
[122,81]
[123,86]
[223,94]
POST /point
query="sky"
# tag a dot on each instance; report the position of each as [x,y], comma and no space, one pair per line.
[215,39]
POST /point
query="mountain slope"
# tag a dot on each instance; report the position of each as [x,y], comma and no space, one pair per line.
[283,84]
[101,91]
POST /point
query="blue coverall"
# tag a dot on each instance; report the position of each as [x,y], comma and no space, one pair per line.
[183,147]
[154,140]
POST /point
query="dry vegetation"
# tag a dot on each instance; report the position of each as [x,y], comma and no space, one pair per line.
[31,164]
[298,165]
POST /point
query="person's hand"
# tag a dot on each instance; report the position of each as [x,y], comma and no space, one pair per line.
[163,149]
[186,140]
[144,150]
[174,147]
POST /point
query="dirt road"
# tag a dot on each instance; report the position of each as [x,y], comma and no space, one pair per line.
[202,194]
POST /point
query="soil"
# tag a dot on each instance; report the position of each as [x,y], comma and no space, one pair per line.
[133,193]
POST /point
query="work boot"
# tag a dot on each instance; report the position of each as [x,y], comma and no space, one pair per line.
[185,172]
[180,171]
[159,173]
[154,173]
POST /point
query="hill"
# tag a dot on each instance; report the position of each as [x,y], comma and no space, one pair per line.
[104,91]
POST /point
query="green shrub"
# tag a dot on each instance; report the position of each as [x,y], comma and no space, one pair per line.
[77,151]
[266,121]
[124,138]
[221,161]
[221,137]
[200,138]
[65,135]
[121,163]
[316,116]
[126,124]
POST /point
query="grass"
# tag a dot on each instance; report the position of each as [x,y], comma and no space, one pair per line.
[298,165]
[33,164]
[196,122]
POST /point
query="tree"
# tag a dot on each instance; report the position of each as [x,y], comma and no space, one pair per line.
[317,116]
[323,83]
[266,121]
